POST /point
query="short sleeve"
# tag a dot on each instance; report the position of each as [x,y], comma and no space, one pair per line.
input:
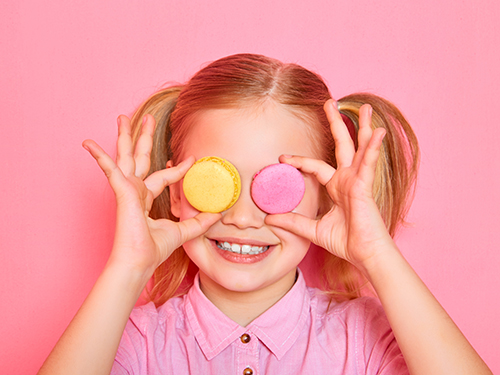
[122,364]
[131,357]
[118,369]
[382,355]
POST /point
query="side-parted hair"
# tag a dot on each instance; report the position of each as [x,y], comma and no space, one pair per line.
[246,80]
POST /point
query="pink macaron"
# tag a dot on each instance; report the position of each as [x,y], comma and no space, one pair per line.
[278,188]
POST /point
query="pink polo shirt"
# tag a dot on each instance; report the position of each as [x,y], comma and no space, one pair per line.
[300,334]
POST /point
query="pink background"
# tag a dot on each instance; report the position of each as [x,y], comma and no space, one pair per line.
[68,69]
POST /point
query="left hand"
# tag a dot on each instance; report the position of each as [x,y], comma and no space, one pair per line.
[353,229]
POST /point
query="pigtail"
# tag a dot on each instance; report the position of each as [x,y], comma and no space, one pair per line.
[169,276]
[397,166]
[160,106]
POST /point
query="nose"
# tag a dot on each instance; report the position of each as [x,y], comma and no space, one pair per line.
[244,213]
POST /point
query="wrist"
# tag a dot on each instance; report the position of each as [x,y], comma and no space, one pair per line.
[382,260]
[128,277]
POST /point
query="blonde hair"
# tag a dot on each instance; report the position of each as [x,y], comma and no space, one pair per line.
[249,80]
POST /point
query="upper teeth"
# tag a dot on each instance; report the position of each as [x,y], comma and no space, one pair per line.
[241,249]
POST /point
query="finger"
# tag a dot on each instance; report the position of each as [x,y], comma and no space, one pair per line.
[295,223]
[106,163]
[364,133]
[368,164]
[196,226]
[124,145]
[159,180]
[142,154]
[321,170]
[344,146]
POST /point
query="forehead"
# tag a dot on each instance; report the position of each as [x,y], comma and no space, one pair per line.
[262,133]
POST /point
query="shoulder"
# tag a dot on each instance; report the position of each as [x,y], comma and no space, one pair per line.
[358,325]
[361,320]
[149,316]
[147,330]
[364,308]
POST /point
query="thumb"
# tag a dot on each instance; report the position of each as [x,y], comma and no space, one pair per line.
[196,226]
[295,223]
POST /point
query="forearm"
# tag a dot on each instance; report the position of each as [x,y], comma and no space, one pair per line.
[89,344]
[430,341]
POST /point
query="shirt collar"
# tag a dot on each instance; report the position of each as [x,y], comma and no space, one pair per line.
[278,328]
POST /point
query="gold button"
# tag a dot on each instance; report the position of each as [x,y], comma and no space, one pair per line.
[245,338]
[247,371]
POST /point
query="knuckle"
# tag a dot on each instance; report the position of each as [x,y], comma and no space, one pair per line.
[110,172]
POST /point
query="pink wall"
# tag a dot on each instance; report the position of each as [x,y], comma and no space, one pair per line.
[68,70]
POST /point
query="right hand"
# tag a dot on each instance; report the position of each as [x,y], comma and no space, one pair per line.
[142,243]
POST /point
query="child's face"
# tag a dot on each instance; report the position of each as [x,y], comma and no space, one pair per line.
[250,139]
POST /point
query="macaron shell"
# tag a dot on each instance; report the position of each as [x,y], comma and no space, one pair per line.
[278,188]
[212,184]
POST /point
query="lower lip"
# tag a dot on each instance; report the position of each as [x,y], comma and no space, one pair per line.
[241,258]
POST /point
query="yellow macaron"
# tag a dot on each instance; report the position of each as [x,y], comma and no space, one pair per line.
[212,184]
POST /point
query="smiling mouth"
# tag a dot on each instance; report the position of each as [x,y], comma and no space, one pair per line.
[241,249]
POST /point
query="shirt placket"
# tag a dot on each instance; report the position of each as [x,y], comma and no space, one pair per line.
[247,354]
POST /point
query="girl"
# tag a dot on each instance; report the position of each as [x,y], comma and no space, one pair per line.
[253,314]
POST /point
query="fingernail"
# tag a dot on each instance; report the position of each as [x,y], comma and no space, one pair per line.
[287,156]
[119,121]
[144,119]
